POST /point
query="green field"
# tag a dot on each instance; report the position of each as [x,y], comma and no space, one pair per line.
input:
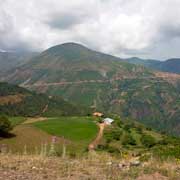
[75,129]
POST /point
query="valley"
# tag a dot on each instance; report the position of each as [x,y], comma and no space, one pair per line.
[47,105]
[106,83]
[89,90]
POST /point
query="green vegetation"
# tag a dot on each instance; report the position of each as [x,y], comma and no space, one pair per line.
[148,141]
[5,125]
[121,138]
[97,80]
[16,120]
[128,136]
[17,101]
[93,79]
[77,129]
[75,132]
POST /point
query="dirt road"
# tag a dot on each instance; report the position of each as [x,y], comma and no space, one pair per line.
[33,120]
[94,144]
[45,84]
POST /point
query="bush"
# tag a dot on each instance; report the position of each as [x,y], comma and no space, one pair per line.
[148,141]
[5,125]
[129,126]
[119,124]
[114,134]
[164,152]
[128,140]
[139,129]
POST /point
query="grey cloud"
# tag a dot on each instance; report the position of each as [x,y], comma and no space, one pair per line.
[147,29]
[65,21]
[169,32]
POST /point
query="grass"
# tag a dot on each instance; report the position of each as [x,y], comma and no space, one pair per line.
[77,132]
[76,129]
[26,135]
[17,120]
[93,166]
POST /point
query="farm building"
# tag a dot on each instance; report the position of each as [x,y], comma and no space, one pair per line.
[98,114]
[108,121]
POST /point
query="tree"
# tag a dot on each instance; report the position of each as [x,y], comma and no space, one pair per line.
[5,125]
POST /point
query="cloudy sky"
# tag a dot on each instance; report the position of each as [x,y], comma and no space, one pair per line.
[144,28]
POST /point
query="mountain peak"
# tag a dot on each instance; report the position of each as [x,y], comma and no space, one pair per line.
[69,45]
[72,44]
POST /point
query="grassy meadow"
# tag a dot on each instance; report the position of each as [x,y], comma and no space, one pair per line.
[31,134]
[76,129]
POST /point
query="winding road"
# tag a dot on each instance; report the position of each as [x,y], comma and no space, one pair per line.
[99,136]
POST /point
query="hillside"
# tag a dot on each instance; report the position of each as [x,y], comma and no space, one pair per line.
[72,62]
[128,150]
[170,65]
[77,134]
[9,60]
[17,101]
[103,82]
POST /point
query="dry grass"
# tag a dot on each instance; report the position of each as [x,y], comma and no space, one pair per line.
[29,136]
[91,167]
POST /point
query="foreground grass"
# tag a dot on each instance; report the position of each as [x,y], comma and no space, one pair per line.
[92,166]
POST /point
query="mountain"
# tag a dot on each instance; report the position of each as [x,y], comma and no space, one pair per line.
[170,65]
[104,83]
[17,101]
[72,62]
[9,60]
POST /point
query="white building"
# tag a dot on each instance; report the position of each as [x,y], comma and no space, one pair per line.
[108,121]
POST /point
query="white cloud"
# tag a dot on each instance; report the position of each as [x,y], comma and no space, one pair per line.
[126,28]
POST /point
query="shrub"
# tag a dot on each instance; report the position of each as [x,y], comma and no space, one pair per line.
[139,129]
[164,152]
[5,125]
[148,141]
[119,124]
[129,126]
[114,134]
[128,140]
[112,150]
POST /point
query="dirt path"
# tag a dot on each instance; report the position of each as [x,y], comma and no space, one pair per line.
[94,144]
[33,120]
[44,84]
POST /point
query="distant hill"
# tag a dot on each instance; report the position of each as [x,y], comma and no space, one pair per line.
[171,65]
[72,62]
[103,82]
[17,101]
[9,60]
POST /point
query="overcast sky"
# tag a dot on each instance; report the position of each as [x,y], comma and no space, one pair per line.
[143,28]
